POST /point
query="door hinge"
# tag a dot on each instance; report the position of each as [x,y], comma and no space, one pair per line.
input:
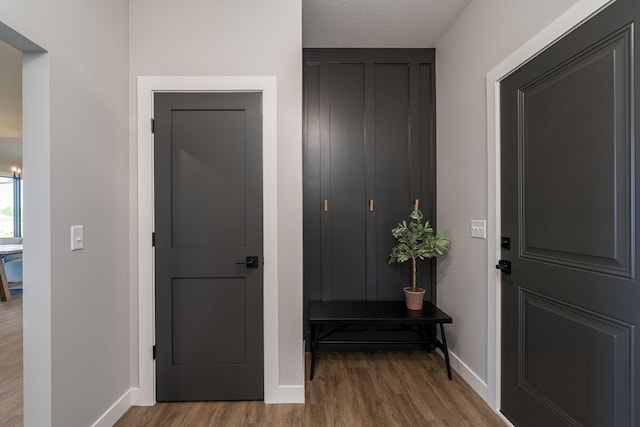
[153,351]
[153,126]
[153,239]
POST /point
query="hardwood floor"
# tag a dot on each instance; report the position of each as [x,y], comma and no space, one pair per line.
[11,361]
[349,389]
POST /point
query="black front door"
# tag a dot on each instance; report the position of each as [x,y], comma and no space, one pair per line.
[571,305]
[208,221]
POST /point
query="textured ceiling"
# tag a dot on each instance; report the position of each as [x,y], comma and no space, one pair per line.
[377,23]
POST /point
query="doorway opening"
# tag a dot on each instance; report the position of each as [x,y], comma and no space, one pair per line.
[10,265]
[33,314]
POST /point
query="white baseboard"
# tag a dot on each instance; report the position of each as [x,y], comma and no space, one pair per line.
[470,377]
[117,410]
[288,394]
[474,381]
[138,400]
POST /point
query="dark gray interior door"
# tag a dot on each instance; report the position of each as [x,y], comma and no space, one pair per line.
[208,220]
[570,307]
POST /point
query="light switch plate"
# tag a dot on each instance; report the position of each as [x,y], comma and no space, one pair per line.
[478,229]
[77,237]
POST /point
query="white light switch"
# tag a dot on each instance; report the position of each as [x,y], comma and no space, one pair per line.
[77,237]
[478,229]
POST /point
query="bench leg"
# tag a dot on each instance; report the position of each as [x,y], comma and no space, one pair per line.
[445,350]
[314,349]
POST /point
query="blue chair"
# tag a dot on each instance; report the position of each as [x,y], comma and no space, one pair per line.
[12,263]
[13,267]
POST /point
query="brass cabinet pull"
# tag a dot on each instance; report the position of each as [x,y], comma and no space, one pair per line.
[326,205]
[416,204]
[371,205]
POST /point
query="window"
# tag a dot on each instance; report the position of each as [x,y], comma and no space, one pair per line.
[11,205]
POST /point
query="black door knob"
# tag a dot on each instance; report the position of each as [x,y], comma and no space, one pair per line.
[251,262]
[504,266]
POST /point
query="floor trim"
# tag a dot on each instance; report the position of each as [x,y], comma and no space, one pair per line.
[286,394]
[116,411]
[474,381]
[470,377]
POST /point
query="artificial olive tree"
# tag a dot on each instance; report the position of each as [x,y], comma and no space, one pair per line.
[416,240]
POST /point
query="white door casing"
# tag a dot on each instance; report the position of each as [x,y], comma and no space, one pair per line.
[147,86]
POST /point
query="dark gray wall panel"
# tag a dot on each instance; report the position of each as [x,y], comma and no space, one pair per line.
[346,218]
[584,218]
[423,155]
[312,181]
[369,134]
[392,172]
[571,359]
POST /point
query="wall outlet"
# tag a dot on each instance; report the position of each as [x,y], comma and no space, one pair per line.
[478,229]
[77,237]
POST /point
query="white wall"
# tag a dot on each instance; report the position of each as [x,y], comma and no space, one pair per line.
[77,358]
[486,33]
[10,92]
[227,38]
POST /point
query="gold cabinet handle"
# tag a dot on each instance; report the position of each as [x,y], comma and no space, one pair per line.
[370,205]
[326,205]
[416,204]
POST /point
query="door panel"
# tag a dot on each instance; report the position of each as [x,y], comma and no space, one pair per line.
[595,124]
[552,378]
[312,195]
[343,225]
[403,170]
[392,148]
[217,170]
[191,305]
[569,307]
[208,219]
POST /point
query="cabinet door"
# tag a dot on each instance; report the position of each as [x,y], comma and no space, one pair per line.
[404,170]
[343,184]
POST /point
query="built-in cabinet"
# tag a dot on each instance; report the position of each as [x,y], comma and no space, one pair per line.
[369,153]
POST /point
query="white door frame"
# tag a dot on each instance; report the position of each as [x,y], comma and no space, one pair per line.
[36,161]
[566,22]
[147,86]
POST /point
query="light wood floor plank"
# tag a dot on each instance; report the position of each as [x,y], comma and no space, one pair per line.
[11,361]
[349,390]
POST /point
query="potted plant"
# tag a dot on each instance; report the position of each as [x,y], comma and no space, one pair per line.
[416,240]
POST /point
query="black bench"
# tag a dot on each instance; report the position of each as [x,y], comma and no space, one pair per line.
[340,314]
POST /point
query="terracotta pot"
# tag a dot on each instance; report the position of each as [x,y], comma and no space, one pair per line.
[414,298]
